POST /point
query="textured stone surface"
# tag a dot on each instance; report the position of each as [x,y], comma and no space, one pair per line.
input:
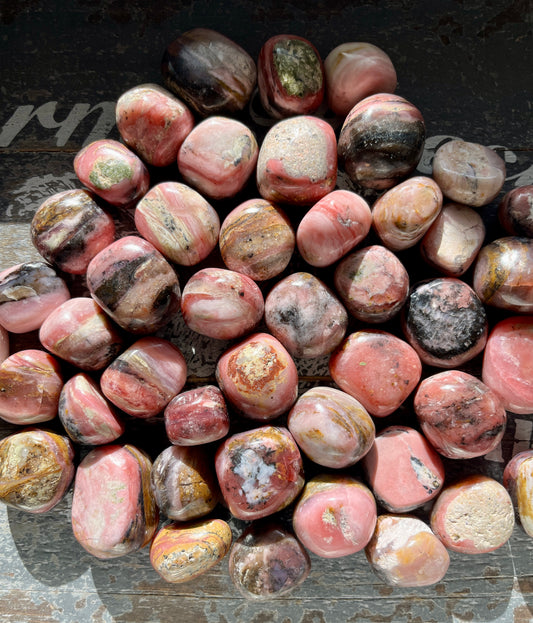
[4,343]
[515,211]
[518,480]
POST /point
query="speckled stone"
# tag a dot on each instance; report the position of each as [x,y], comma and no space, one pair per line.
[4,344]
[305,316]
[445,322]
[381,141]
[297,161]
[515,211]
[518,480]
[474,515]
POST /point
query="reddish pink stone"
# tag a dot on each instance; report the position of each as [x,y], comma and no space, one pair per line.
[518,480]
[333,227]
[258,377]
[474,515]
[112,172]
[335,516]
[218,157]
[153,122]
[79,332]
[86,415]
[4,344]
[297,161]
[197,416]
[145,377]
[30,385]
[113,510]
[259,472]
[460,416]
[377,368]
[403,470]
[508,363]
[515,211]
[222,304]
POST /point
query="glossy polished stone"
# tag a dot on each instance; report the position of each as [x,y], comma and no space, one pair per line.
[460,416]
[134,285]
[403,470]
[153,123]
[305,316]
[372,283]
[508,364]
[405,552]
[474,515]
[70,228]
[518,480]
[144,378]
[78,331]
[468,173]
[28,294]
[354,71]
[210,72]
[36,469]
[258,377]
[30,385]
[381,141]
[259,471]
[515,211]
[179,222]
[257,239]
[113,510]
[290,76]
[297,161]
[221,304]
[333,227]
[331,427]
[267,561]
[452,242]
[4,344]
[112,171]
[445,322]
[335,516]
[503,274]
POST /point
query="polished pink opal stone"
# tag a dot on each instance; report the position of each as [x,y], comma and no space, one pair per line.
[335,516]
[197,416]
[297,161]
[402,469]
[354,71]
[30,385]
[144,378]
[333,227]
[29,292]
[218,157]
[153,122]
[305,316]
[508,363]
[87,417]
[474,515]
[222,304]
[79,332]
[258,377]
[259,471]
[377,368]
[518,480]
[515,211]
[110,170]
[4,343]
[405,552]
[113,509]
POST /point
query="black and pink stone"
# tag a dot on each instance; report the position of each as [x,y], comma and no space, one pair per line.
[515,211]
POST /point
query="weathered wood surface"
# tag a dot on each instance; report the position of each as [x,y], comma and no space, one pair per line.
[465,64]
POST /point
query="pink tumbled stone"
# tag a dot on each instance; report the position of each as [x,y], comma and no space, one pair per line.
[30,385]
[333,227]
[218,157]
[515,211]
[153,122]
[145,377]
[377,368]
[4,344]
[197,416]
[179,222]
[335,516]
[258,377]
[222,304]
[112,172]
[518,480]
[259,471]
[508,363]
[79,332]
[403,470]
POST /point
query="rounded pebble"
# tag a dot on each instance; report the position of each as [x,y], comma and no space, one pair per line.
[515,211]
[518,480]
